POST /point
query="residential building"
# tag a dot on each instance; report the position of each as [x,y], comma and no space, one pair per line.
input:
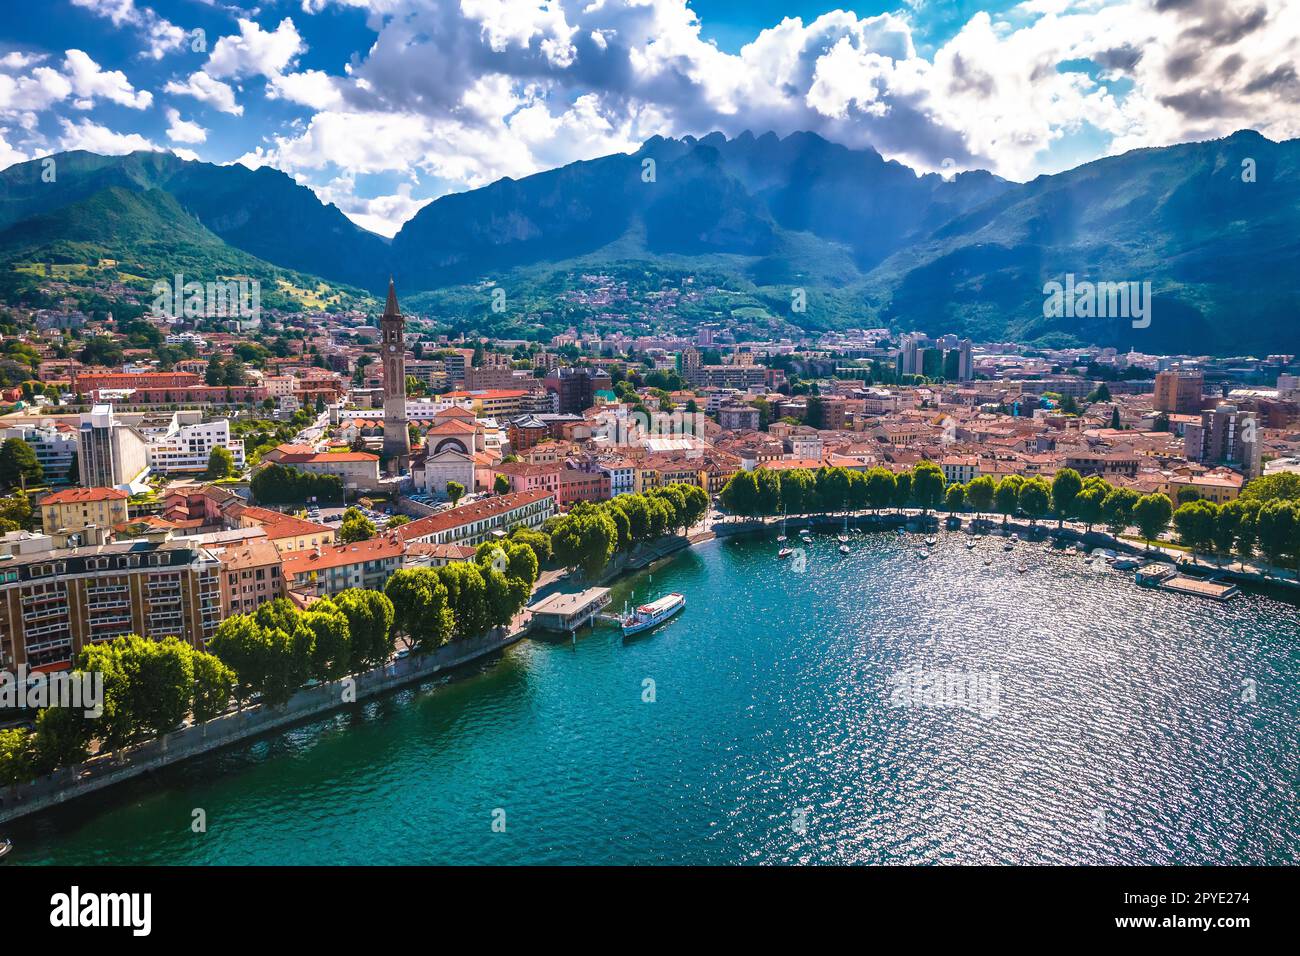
[53,605]
[472,524]
[1178,391]
[83,515]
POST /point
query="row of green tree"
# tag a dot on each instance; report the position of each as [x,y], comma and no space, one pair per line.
[150,686]
[764,492]
[148,689]
[277,484]
[591,533]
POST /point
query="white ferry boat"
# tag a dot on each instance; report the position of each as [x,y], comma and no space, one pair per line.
[653,614]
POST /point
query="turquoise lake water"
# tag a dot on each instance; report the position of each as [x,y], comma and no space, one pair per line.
[1109,724]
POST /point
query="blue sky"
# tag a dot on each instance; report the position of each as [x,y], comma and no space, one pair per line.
[381,105]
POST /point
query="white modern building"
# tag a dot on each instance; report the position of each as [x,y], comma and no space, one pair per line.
[110,453]
[188,443]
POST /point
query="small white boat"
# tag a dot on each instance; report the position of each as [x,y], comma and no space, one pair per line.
[1008,546]
[987,562]
[6,847]
[785,552]
[970,545]
[1023,568]
[922,555]
[653,614]
[1125,564]
[844,549]
[931,542]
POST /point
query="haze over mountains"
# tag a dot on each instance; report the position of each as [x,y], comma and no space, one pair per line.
[871,241]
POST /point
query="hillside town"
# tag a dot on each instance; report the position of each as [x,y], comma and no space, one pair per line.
[214,467]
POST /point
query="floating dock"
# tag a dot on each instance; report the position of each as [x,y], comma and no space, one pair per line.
[568,612]
[1201,587]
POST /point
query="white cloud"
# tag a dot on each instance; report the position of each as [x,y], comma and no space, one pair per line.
[183,131]
[255,51]
[160,35]
[205,89]
[90,82]
[91,136]
[313,88]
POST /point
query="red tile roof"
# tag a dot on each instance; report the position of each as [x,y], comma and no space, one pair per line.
[70,496]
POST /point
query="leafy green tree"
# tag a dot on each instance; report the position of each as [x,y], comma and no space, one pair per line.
[467,597]
[370,617]
[241,644]
[1066,486]
[902,489]
[18,465]
[1035,498]
[539,542]
[331,656]
[739,496]
[880,488]
[1151,514]
[1088,502]
[500,484]
[768,486]
[355,527]
[980,492]
[954,499]
[17,756]
[1283,485]
[586,541]
[798,491]
[455,491]
[1007,497]
[1227,522]
[160,676]
[421,611]
[62,738]
[118,723]
[396,521]
[289,658]
[1195,523]
[1117,508]
[927,485]
[221,463]
[1277,527]
[214,683]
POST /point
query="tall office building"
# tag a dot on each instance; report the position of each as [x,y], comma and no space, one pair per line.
[965,361]
[1178,392]
[110,454]
[1225,436]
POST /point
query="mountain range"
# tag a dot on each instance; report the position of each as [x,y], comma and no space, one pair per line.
[1211,225]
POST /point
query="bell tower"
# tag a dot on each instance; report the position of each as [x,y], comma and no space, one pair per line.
[397,439]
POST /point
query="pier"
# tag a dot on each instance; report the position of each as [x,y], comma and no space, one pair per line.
[1200,587]
[569,611]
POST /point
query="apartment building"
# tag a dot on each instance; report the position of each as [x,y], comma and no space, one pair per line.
[89,513]
[188,443]
[54,604]
[251,574]
[483,520]
[322,571]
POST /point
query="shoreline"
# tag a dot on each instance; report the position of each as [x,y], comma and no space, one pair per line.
[309,703]
[241,727]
